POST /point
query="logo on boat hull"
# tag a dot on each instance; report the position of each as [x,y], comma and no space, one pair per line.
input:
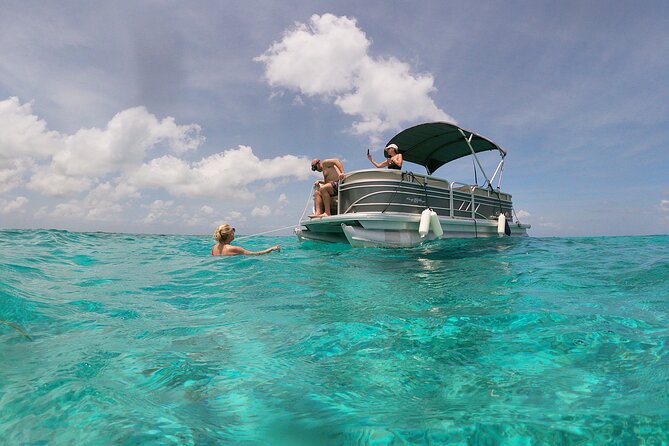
[415,200]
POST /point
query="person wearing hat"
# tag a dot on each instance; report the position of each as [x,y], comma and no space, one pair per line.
[393,158]
[325,189]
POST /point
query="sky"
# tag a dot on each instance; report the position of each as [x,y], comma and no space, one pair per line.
[174,117]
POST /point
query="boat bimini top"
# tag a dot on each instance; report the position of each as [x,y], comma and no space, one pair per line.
[436,143]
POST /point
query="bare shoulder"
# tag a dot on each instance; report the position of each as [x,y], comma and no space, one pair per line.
[331,162]
[234,250]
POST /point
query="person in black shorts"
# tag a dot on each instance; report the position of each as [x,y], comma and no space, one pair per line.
[325,189]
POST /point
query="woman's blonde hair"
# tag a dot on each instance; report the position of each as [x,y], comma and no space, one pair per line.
[222,233]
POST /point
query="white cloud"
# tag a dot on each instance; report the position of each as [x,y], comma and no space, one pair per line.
[104,210]
[107,167]
[12,175]
[51,183]
[234,216]
[283,200]
[103,204]
[123,143]
[160,211]
[41,213]
[223,175]
[67,164]
[112,192]
[100,204]
[261,212]
[22,134]
[13,206]
[317,59]
[663,206]
[69,210]
[170,212]
[200,218]
[387,94]
[382,93]
[521,214]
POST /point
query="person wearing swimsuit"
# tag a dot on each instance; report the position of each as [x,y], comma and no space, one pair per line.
[224,235]
[325,189]
[393,158]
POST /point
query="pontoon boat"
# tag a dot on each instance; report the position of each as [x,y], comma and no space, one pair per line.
[392,208]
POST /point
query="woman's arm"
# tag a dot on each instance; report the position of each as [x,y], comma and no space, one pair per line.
[383,164]
[398,160]
[237,250]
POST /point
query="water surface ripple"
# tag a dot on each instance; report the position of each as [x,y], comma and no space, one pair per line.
[138,339]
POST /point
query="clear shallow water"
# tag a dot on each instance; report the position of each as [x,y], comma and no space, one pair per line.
[149,340]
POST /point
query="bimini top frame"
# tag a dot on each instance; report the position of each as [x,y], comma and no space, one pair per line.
[436,143]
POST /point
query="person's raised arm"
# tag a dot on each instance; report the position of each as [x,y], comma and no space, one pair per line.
[382,164]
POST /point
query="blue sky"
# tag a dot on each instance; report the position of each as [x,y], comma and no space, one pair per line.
[173,117]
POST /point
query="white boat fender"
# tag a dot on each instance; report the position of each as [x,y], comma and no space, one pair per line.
[424,226]
[503,226]
[435,224]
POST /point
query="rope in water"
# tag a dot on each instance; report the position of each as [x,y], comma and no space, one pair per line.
[285,227]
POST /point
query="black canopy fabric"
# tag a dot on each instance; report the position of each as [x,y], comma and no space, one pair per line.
[436,143]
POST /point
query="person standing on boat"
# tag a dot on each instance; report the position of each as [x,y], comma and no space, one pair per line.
[325,189]
[225,234]
[393,158]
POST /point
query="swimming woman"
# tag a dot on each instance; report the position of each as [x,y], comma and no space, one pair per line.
[225,234]
[393,158]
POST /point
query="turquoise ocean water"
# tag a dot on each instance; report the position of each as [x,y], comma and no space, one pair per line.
[139,339]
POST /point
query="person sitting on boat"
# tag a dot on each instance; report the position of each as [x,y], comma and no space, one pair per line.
[225,234]
[393,158]
[324,190]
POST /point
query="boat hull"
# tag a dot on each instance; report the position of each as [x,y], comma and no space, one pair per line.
[394,230]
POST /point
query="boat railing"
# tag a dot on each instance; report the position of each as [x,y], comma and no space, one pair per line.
[468,206]
[471,206]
